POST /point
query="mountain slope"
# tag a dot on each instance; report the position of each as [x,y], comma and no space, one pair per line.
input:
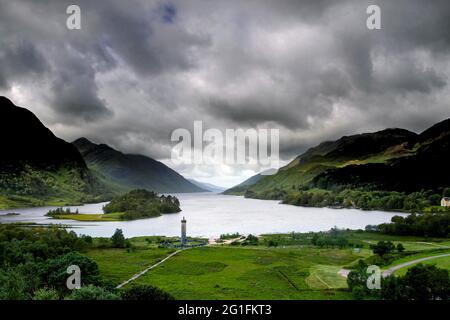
[36,167]
[391,159]
[132,171]
[26,141]
[207,186]
[243,186]
[426,167]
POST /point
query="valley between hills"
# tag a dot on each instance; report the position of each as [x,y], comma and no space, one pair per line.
[393,170]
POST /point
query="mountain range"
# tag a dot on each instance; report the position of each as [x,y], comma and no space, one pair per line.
[207,186]
[38,168]
[132,171]
[391,160]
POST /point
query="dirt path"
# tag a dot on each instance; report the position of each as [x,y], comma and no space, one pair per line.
[148,269]
[323,281]
[434,244]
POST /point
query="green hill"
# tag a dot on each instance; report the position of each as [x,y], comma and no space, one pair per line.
[392,159]
[130,171]
[243,186]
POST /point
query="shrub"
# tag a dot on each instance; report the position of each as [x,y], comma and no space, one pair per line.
[118,239]
[46,294]
[92,292]
[12,285]
[145,292]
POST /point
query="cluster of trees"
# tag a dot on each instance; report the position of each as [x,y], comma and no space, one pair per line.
[425,225]
[250,240]
[139,203]
[28,182]
[227,236]
[383,248]
[421,282]
[35,259]
[37,185]
[385,252]
[290,239]
[272,194]
[34,262]
[331,239]
[369,200]
[60,211]
[334,238]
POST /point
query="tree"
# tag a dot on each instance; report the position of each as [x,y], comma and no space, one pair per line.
[146,292]
[427,282]
[251,240]
[382,248]
[421,282]
[118,239]
[400,248]
[357,281]
[54,271]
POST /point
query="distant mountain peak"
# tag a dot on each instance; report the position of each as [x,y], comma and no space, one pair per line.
[207,186]
[133,170]
[82,140]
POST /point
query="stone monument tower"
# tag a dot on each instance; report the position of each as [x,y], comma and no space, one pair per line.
[183,232]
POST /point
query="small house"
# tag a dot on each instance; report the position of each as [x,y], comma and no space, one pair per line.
[445,202]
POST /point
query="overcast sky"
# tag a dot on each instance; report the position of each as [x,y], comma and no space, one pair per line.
[139,69]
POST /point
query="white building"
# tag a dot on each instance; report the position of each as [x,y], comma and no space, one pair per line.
[445,202]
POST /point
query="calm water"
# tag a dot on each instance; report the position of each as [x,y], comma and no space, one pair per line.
[210,215]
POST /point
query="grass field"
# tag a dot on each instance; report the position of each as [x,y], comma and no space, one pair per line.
[295,271]
[119,265]
[224,272]
[326,277]
[90,217]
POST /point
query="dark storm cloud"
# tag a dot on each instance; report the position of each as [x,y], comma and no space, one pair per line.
[75,93]
[112,33]
[417,24]
[139,69]
[18,59]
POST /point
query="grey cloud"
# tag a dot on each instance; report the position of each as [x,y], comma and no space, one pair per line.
[20,58]
[138,69]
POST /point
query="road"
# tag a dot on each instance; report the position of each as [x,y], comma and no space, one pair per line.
[388,272]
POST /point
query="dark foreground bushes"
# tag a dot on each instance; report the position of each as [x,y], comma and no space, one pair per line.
[421,282]
[424,225]
[34,262]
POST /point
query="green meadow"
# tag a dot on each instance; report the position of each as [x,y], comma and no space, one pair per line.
[225,272]
[293,270]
